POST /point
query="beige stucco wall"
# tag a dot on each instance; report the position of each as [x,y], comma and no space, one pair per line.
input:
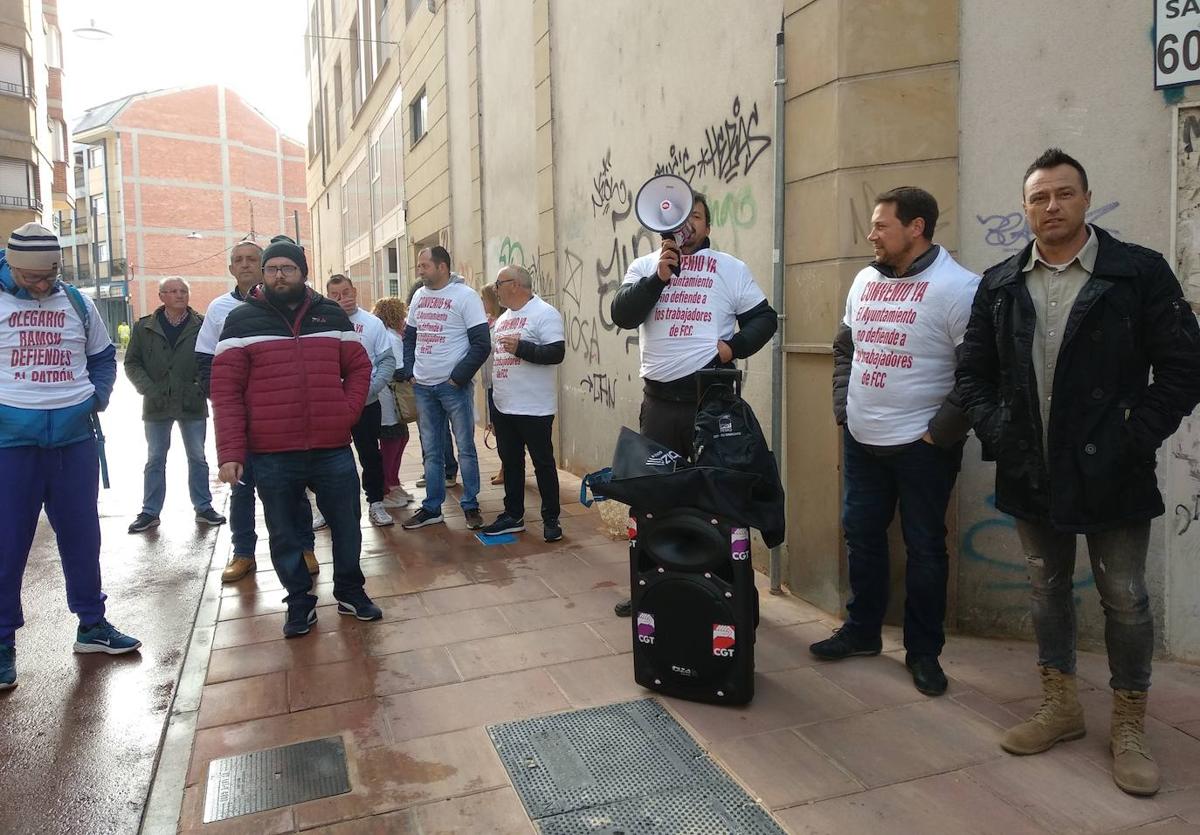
[1081,77]
[507,103]
[624,103]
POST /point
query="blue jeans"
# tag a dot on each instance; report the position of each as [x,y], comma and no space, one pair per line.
[241,516]
[920,476]
[332,475]
[158,439]
[1119,565]
[436,405]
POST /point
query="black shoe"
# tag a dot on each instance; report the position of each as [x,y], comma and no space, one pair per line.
[843,644]
[422,518]
[300,617]
[927,674]
[624,609]
[504,524]
[143,522]
[360,606]
[474,518]
[553,531]
[209,517]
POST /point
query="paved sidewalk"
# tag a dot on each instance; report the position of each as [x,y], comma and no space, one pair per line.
[475,635]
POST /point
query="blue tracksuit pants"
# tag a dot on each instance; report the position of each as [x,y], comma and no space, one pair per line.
[65,481]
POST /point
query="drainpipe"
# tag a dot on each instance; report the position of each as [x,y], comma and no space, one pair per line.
[777,293]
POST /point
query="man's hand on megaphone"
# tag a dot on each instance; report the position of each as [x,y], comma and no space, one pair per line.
[668,259]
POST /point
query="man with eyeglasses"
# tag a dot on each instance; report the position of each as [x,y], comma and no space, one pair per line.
[245,265]
[289,380]
[57,366]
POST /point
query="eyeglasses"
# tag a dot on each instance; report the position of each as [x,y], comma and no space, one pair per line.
[287,270]
[38,278]
[504,281]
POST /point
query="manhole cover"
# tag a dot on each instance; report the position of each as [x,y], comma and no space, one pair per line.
[275,777]
[624,768]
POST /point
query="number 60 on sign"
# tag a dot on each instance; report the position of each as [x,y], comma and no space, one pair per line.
[1176,42]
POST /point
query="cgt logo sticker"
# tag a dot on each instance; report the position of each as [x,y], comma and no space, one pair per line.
[645,628]
[723,640]
[739,544]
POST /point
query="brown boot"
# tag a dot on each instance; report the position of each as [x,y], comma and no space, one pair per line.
[310,560]
[239,566]
[1134,770]
[1058,719]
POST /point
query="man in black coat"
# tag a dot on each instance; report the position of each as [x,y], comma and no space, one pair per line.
[1055,375]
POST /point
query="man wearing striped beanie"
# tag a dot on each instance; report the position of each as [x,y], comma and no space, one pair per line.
[57,366]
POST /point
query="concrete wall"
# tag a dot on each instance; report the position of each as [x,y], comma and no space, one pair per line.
[507,103]
[1092,94]
[623,104]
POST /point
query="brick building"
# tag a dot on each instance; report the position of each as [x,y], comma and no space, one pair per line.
[168,182]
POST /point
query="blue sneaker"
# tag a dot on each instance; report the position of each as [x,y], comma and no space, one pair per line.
[362,608]
[104,637]
[8,667]
[300,618]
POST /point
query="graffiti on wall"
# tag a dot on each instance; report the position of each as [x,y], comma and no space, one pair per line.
[513,253]
[728,149]
[602,388]
[610,194]
[1011,233]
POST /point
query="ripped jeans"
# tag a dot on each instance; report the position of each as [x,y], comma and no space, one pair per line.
[1119,566]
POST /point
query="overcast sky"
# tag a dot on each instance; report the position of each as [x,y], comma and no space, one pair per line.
[255,47]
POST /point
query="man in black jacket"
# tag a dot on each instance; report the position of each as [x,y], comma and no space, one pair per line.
[707,316]
[1055,375]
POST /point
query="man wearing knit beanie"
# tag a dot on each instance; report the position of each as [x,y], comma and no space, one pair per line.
[57,366]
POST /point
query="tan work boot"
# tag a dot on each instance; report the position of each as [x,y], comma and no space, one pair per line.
[1059,719]
[1134,770]
[310,560]
[239,566]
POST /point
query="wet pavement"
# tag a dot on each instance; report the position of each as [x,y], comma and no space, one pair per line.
[80,733]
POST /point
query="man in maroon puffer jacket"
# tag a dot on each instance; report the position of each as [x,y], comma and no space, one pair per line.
[289,379]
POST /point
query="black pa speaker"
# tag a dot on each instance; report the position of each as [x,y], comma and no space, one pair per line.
[695,606]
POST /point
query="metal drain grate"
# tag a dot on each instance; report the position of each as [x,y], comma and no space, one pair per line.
[624,768]
[275,777]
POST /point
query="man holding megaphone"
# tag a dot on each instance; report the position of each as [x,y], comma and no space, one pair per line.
[694,308]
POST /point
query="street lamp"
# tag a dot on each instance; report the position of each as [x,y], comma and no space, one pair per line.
[91,32]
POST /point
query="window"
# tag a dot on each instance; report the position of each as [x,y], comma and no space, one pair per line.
[357,86]
[54,47]
[101,252]
[418,114]
[12,73]
[16,184]
[339,111]
[376,184]
[58,140]
[381,34]
[99,205]
[410,6]
[96,157]
[389,165]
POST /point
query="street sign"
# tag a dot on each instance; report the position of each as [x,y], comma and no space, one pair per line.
[1176,42]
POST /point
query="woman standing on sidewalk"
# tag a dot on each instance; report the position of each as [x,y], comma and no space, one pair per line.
[393,436]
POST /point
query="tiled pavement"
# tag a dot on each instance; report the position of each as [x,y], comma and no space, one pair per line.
[474,635]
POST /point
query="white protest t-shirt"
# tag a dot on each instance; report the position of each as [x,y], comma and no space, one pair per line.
[44,351]
[214,321]
[374,338]
[695,311]
[905,331]
[442,319]
[520,387]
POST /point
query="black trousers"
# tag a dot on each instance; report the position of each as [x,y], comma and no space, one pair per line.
[366,443]
[669,422]
[515,434]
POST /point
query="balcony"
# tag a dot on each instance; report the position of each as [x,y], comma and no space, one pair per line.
[21,91]
[9,201]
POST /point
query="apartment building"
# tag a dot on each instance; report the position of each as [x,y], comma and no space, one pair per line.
[34,167]
[167,183]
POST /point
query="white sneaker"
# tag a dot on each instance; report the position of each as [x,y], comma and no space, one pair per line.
[319,520]
[379,515]
[398,497]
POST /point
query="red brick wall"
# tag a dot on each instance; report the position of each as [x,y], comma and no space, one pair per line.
[192,112]
[252,171]
[162,158]
[247,125]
